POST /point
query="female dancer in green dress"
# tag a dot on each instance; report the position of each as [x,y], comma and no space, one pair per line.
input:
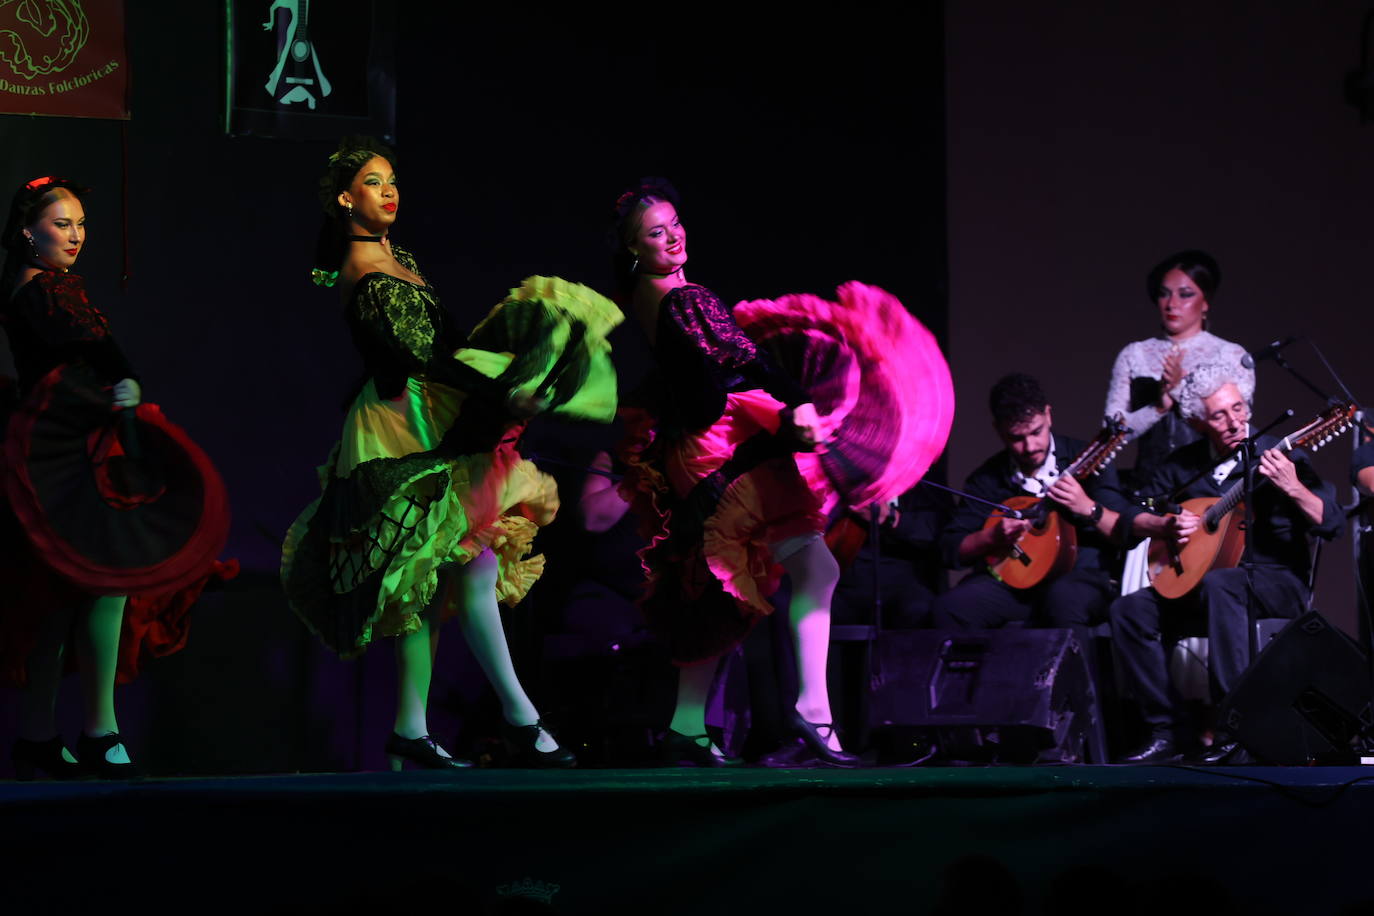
[428,510]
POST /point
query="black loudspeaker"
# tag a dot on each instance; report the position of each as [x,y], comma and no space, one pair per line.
[1014,695]
[1305,699]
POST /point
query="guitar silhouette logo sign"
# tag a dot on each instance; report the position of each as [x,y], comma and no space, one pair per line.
[41,37]
[297,76]
[310,70]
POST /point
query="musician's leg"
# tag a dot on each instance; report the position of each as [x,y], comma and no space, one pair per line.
[1079,598]
[980,602]
[1279,593]
[1140,648]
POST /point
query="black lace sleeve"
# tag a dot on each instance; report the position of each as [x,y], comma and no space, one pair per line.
[706,354]
[51,321]
[401,331]
[697,315]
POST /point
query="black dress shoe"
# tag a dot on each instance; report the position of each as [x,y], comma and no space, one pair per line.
[1159,749]
[678,750]
[91,754]
[521,741]
[1225,751]
[793,754]
[49,756]
[423,752]
[810,732]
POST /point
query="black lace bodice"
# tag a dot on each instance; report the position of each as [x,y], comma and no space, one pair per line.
[402,331]
[703,355]
[50,321]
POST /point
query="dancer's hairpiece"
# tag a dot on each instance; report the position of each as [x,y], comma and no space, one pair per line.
[630,204]
[31,199]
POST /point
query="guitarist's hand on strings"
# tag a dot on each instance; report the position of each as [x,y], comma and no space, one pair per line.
[1007,532]
[1068,492]
[1178,528]
[1276,466]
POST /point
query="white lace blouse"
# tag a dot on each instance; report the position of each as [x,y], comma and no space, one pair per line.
[1145,359]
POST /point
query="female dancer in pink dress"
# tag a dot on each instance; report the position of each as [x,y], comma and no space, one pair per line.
[713,477]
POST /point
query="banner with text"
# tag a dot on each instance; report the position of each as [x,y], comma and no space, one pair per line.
[311,71]
[65,58]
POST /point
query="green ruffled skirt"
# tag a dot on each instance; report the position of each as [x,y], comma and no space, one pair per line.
[397,505]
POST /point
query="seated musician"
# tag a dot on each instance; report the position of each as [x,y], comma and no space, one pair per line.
[1032,464]
[1291,503]
[909,572]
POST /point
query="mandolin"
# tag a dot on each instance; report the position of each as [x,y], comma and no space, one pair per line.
[1049,547]
[1219,541]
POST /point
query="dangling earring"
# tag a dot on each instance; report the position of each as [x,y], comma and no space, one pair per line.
[634,268]
[34,248]
[348,207]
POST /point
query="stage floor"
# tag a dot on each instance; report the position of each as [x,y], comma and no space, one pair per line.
[1269,840]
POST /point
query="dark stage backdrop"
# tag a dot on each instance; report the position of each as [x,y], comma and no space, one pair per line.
[1088,141]
[807,156]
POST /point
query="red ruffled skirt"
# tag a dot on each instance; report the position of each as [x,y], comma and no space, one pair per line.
[99,504]
[710,526]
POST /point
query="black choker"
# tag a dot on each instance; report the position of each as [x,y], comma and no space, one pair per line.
[366,238]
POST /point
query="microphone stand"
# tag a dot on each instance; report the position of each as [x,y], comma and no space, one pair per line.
[1284,364]
[1364,532]
[1006,510]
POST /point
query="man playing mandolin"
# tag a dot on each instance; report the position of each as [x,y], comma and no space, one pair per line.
[1197,546]
[1052,568]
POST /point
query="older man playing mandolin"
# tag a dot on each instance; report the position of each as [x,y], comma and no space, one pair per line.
[1199,541]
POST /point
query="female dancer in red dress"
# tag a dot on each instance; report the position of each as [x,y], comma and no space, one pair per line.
[112,518]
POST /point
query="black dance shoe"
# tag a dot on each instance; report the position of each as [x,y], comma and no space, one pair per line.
[792,754]
[1160,749]
[1225,751]
[423,752]
[91,752]
[810,732]
[30,756]
[678,750]
[521,741]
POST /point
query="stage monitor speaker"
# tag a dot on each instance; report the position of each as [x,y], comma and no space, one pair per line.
[1305,699]
[1016,695]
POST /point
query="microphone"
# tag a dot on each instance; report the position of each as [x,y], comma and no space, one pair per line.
[1268,352]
